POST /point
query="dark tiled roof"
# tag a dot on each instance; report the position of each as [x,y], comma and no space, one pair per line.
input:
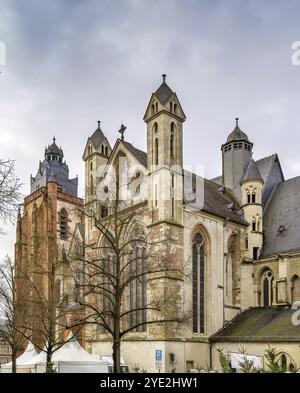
[218,180]
[221,203]
[54,149]
[282,219]
[237,135]
[140,155]
[163,93]
[218,200]
[260,324]
[264,165]
[97,138]
[252,173]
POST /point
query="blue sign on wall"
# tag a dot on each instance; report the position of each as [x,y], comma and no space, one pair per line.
[158,355]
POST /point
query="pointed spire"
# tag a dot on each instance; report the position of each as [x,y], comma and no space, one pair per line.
[237,134]
[252,172]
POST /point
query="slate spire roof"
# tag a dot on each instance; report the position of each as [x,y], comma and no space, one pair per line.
[54,149]
[97,137]
[237,134]
[163,93]
[252,172]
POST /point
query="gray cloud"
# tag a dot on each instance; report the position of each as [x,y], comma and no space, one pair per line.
[72,62]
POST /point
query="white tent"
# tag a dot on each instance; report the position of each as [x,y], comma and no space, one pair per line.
[72,358]
[27,356]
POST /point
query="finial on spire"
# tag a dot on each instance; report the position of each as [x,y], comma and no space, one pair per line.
[164,78]
[99,123]
[122,130]
[54,139]
[237,121]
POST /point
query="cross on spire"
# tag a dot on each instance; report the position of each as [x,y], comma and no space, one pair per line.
[122,130]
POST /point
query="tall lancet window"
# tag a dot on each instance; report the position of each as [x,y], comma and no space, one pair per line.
[172,140]
[156,151]
[138,290]
[267,287]
[198,252]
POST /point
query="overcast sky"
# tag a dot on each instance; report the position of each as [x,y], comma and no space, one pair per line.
[72,62]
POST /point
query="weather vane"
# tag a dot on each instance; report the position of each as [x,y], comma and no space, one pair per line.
[122,130]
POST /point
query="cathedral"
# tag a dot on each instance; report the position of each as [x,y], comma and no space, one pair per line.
[238,234]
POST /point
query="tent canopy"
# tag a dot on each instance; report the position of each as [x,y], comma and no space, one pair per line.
[29,353]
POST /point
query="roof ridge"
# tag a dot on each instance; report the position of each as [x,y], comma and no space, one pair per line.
[265,158]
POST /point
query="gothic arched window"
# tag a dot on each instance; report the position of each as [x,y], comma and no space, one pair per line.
[198,254]
[295,288]
[92,184]
[175,109]
[102,149]
[138,290]
[171,106]
[267,287]
[63,222]
[106,151]
[156,107]
[156,151]
[172,140]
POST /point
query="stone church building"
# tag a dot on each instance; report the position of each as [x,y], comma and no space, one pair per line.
[237,234]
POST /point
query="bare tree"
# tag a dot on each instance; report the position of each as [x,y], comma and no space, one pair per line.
[46,306]
[117,271]
[13,316]
[10,193]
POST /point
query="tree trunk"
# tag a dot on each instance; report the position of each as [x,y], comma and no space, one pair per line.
[14,361]
[49,365]
[116,355]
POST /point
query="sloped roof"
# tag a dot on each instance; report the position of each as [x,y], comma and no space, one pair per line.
[54,149]
[163,93]
[218,200]
[97,137]
[221,203]
[251,173]
[237,135]
[218,180]
[140,155]
[260,324]
[264,166]
[282,219]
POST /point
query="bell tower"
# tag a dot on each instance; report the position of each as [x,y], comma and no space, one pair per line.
[164,118]
[236,154]
[96,154]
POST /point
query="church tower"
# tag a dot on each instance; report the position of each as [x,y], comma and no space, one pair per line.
[236,154]
[164,118]
[252,184]
[96,153]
